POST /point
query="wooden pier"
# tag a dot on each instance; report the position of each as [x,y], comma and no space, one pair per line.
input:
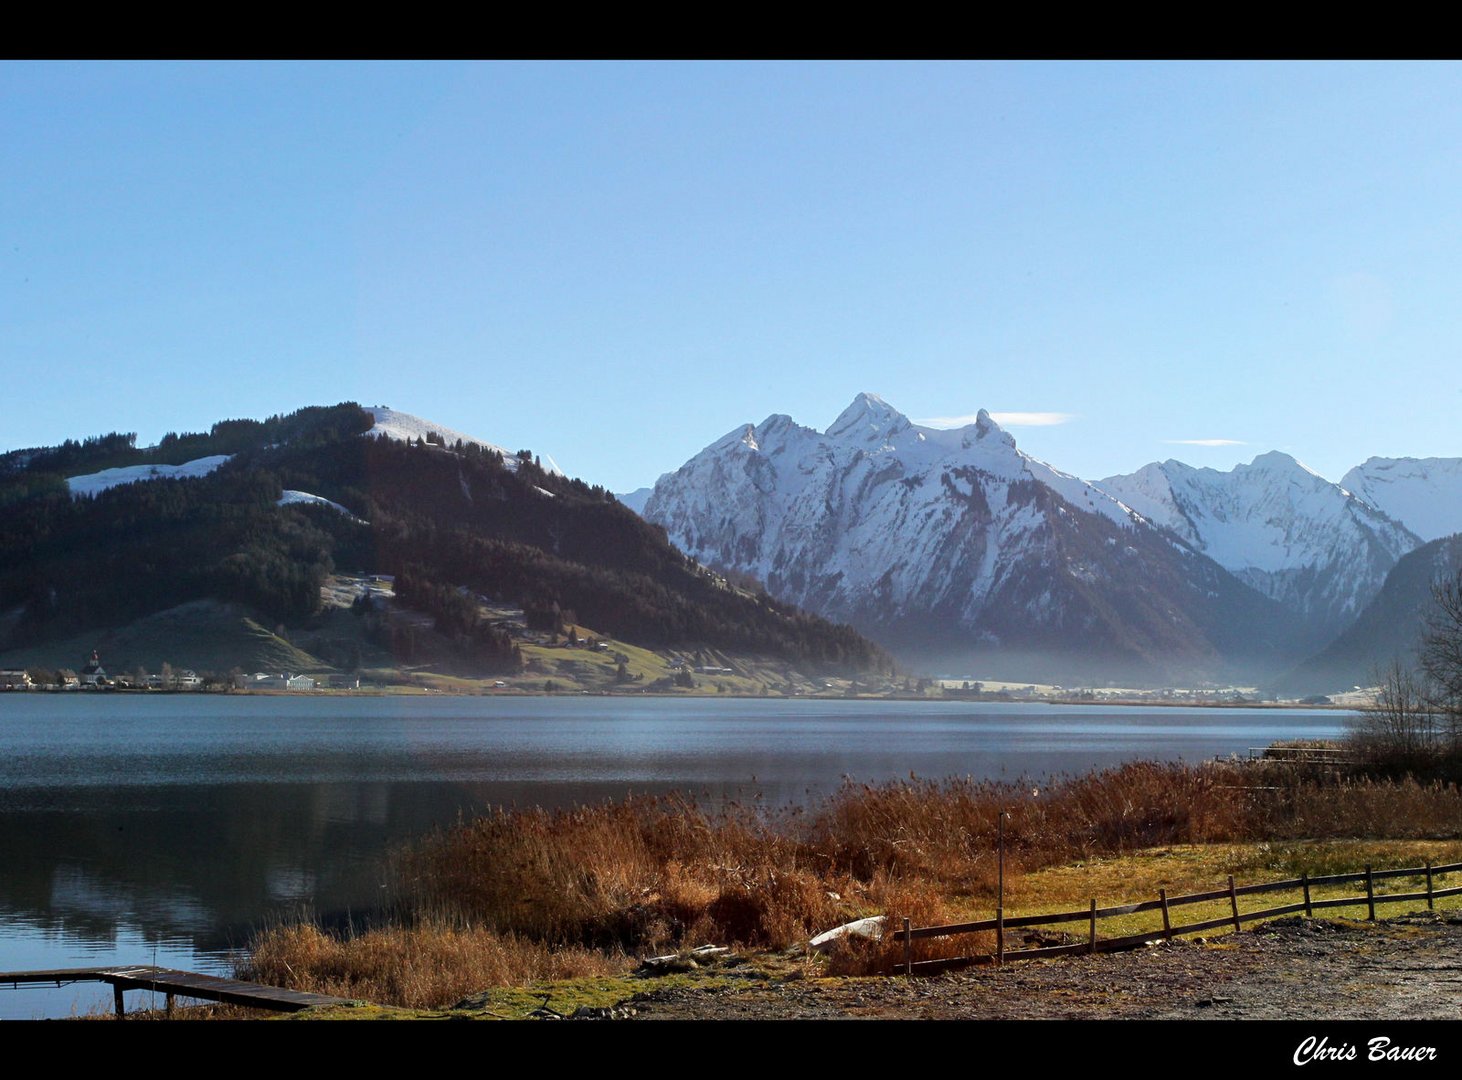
[175,984]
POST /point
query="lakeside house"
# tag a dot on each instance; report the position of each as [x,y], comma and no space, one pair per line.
[263,680]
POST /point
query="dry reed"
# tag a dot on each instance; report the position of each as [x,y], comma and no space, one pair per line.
[414,967]
[521,895]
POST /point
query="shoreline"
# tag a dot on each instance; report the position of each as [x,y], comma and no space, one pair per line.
[514,692]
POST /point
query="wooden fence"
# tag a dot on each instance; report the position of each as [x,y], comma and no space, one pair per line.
[1165,903]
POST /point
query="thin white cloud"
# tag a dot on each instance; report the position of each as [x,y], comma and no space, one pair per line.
[1206,442]
[1004,419]
[948,421]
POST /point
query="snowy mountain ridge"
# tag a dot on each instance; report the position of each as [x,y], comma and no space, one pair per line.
[1425,493]
[927,535]
[1280,527]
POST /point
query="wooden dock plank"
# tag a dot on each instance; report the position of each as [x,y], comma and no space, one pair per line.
[45,975]
[190,984]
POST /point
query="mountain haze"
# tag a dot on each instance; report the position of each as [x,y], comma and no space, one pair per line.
[1389,628]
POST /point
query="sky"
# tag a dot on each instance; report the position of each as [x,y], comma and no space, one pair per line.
[617,263]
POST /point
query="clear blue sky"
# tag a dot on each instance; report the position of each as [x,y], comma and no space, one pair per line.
[617,263]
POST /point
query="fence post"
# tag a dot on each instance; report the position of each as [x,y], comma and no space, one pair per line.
[1370,896]
[1429,903]
[1167,924]
[1233,898]
[1305,878]
[1093,924]
[117,999]
[908,948]
[1000,936]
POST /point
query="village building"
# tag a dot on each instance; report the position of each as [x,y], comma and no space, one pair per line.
[93,675]
[15,679]
[263,680]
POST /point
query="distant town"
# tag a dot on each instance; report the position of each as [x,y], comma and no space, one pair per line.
[93,676]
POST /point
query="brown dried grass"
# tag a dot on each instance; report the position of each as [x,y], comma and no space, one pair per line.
[644,873]
[515,896]
[414,967]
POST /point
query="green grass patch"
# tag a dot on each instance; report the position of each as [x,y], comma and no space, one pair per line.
[1188,869]
[205,636]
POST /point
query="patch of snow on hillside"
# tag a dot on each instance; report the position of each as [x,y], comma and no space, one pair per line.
[405,427]
[291,497]
[94,483]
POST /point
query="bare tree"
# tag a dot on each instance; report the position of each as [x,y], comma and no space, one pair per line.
[1400,727]
[1440,656]
[1416,719]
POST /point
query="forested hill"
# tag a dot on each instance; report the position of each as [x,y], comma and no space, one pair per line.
[444,518]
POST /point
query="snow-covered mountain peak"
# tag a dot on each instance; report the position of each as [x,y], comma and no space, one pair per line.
[870,433]
[636,499]
[868,419]
[1273,461]
[1278,463]
[776,426]
[986,428]
[1424,494]
[745,435]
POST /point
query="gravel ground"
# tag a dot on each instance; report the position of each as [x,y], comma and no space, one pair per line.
[1290,969]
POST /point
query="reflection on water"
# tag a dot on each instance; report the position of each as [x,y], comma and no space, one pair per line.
[175,825]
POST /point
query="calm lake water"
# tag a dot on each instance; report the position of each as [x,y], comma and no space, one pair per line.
[163,829]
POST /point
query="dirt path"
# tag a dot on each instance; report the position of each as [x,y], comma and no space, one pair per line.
[1293,969]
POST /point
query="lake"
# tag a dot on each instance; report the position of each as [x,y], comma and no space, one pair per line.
[165,828]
